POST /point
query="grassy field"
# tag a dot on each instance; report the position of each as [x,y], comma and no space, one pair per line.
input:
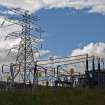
[54,96]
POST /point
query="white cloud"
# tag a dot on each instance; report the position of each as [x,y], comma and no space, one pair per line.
[7,44]
[44,52]
[41,53]
[93,49]
[34,5]
[30,5]
[94,5]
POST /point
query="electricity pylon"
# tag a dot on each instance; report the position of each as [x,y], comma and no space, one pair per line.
[24,67]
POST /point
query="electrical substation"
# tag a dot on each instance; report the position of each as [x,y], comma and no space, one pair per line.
[28,72]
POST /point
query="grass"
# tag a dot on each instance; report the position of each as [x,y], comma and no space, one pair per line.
[54,96]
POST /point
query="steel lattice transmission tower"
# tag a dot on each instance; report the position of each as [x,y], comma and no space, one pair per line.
[24,68]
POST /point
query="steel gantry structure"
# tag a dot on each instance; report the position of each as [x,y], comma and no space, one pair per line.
[23,70]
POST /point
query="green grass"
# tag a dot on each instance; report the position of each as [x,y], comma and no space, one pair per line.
[54,96]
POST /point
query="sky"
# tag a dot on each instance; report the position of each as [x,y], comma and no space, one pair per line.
[68,29]
[71,27]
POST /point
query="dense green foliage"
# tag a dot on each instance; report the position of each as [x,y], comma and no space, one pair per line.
[54,96]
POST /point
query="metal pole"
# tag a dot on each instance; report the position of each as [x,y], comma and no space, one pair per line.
[93,64]
[99,65]
[87,70]
[35,70]
[12,75]
[87,65]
